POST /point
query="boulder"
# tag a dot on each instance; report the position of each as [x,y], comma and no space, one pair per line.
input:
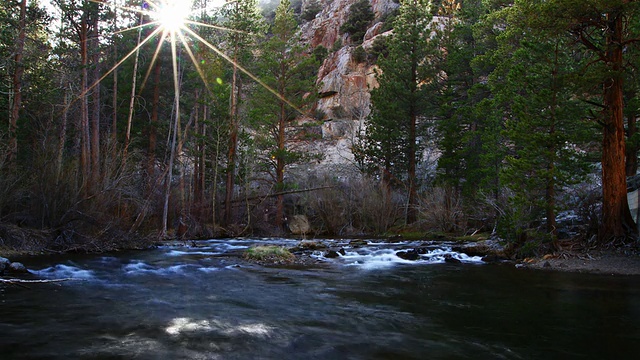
[18,268]
[482,248]
[334,254]
[358,243]
[299,225]
[4,264]
[408,254]
[448,258]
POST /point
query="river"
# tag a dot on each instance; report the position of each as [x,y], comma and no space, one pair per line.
[205,302]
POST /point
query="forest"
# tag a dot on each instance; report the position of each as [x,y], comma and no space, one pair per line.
[127,121]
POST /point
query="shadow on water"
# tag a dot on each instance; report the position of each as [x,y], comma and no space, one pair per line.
[199,303]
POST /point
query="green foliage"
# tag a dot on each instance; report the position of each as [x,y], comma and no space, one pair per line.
[311,9]
[360,16]
[337,45]
[387,20]
[286,68]
[379,48]
[391,145]
[359,55]
[320,53]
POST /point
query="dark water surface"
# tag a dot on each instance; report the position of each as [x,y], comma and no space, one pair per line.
[200,303]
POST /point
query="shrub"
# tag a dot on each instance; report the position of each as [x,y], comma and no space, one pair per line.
[360,16]
[311,10]
[359,55]
[320,53]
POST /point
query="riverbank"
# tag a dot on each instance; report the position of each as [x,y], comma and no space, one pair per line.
[610,262]
[17,241]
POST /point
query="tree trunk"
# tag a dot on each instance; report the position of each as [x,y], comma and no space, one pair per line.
[413,119]
[62,135]
[84,105]
[95,118]
[616,216]
[132,98]
[153,129]
[233,144]
[631,149]
[280,160]
[176,129]
[114,120]
[17,84]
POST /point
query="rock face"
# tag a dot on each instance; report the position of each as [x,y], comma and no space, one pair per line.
[344,83]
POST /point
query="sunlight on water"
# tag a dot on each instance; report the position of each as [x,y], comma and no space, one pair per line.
[187,325]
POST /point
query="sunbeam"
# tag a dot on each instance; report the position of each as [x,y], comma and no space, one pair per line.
[170,20]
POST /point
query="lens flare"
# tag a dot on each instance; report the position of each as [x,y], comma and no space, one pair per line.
[172,15]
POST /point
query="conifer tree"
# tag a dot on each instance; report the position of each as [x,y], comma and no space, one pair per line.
[545,125]
[391,141]
[246,24]
[604,30]
[289,69]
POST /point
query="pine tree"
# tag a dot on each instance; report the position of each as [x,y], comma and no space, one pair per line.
[360,16]
[545,127]
[288,69]
[391,141]
[468,130]
[246,24]
[603,29]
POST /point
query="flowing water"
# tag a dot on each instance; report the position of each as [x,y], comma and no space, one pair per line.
[205,302]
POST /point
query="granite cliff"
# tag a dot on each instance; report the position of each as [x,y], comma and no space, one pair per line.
[344,79]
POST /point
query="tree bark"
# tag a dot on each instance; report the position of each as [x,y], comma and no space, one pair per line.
[153,129]
[18,72]
[233,143]
[280,161]
[84,104]
[96,104]
[631,149]
[114,120]
[617,221]
[132,98]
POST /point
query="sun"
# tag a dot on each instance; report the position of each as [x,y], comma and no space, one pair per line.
[171,15]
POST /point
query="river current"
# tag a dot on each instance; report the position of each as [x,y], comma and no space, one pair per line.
[206,302]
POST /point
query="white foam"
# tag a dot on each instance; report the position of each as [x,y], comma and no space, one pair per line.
[139,267]
[367,258]
[188,325]
[181,253]
[65,271]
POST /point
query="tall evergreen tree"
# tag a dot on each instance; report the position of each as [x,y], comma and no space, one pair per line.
[246,24]
[289,69]
[604,29]
[391,140]
[468,130]
[545,124]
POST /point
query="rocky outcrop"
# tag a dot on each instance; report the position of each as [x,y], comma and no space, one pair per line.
[344,81]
